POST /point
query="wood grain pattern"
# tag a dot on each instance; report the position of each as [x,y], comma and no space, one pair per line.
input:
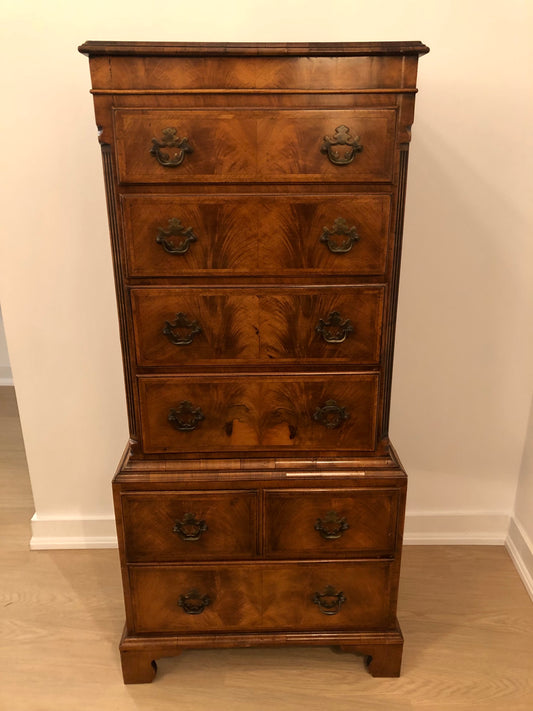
[233,591]
[246,146]
[337,66]
[262,596]
[369,514]
[288,591]
[247,326]
[229,321]
[150,519]
[259,413]
[268,235]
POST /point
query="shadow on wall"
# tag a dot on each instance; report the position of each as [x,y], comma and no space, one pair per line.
[5,367]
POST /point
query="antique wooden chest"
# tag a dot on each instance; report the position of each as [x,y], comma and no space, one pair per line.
[255,196]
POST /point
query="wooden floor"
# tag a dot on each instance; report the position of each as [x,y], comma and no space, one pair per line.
[467,619]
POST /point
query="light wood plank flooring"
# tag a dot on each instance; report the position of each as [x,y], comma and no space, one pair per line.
[467,620]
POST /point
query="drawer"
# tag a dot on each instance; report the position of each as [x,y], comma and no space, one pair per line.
[330,523]
[231,325]
[298,596]
[232,413]
[170,526]
[268,235]
[243,145]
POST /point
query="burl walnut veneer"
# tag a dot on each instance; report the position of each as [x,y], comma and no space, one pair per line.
[255,196]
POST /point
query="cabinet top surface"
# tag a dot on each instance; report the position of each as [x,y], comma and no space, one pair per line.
[94,48]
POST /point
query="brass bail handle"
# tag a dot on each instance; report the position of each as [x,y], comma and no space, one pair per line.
[169,140]
[342,137]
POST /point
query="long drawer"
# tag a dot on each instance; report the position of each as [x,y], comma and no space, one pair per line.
[243,145]
[225,413]
[270,235]
[237,596]
[247,325]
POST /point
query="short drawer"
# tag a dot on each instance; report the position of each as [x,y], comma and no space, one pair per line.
[169,526]
[236,326]
[298,597]
[330,523]
[268,235]
[242,145]
[259,413]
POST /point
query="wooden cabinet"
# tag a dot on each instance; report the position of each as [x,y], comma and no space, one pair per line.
[255,197]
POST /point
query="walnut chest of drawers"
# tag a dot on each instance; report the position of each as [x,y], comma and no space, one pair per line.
[255,197]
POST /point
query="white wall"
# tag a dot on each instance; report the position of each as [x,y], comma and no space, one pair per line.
[463,379]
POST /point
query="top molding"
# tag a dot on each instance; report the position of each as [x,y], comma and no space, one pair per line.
[264,49]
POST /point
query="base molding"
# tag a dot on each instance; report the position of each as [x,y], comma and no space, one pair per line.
[382,650]
[456,528]
[49,533]
[520,548]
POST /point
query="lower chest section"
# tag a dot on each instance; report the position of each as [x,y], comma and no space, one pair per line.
[263,557]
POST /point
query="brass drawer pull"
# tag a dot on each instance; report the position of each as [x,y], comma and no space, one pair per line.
[332,526]
[193,603]
[334,329]
[190,529]
[331,415]
[185,417]
[181,331]
[175,229]
[340,229]
[342,137]
[170,140]
[329,602]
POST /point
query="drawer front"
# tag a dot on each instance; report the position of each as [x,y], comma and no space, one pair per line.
[330,523]
[326,596]
[191,146]
[169,526]
[260,413]
[179,326]
[207,235]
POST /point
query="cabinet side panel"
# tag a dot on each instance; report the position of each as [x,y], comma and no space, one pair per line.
[394,284]
[124,320]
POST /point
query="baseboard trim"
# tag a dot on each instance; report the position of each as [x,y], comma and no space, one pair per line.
[49,533]
[456,528]
[520,549]
[62,543]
